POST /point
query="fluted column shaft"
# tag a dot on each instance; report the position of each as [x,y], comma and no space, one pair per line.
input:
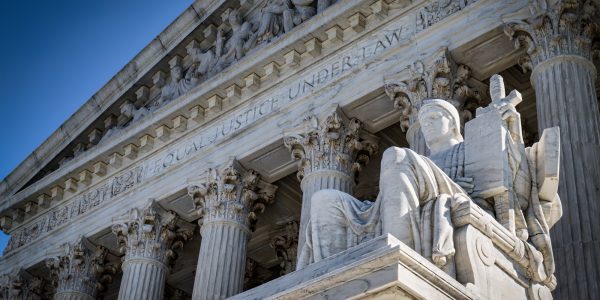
[228,201]
[222,259]
[566,97]
[143,279]
[558,37]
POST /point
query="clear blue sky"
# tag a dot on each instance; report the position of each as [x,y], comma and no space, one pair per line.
[56,54]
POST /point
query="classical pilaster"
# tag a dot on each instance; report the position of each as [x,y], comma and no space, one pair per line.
[227,200]
[80,272]
[286,247]
[330,154]
[437,77]
[557,36]
[20,285]
[148,239]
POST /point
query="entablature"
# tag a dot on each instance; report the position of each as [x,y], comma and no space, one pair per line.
[282,57]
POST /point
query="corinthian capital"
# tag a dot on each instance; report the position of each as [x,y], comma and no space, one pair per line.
[337,143]
[21,285]
[286,246]
[437,77]
[152,233]
[231,193]
[81,267]
[554,27]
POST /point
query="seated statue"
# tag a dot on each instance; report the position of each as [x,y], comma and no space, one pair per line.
[417,195]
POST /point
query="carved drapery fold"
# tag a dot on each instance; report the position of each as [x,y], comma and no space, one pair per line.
[149,238]
[330,155]
[228,200]
[558,37]
[438,78]
[81,271]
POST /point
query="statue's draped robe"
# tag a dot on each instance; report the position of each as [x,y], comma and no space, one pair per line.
[414,203]
[174,89]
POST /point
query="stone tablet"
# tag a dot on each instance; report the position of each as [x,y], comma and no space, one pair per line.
[486,157]
[547,163]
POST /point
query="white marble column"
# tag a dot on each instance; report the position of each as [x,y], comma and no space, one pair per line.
[558,43]
[228,200]
[435,77]
[148,238]
[79,270]
[330,154]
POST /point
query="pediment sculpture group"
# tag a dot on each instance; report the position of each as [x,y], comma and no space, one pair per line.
[275,18]
[239,35]
[417,194]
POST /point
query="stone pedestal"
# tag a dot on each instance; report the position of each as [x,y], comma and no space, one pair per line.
[558,42]
[148,238]
[383,268]
[228,201]
[330,155]
[491,263]
[78,271]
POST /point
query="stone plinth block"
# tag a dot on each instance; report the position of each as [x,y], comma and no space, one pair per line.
[383,268]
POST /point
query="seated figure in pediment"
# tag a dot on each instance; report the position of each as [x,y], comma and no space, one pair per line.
[418,194]
[280,16]
[178,84]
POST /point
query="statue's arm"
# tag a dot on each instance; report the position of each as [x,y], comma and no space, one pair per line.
[513,121]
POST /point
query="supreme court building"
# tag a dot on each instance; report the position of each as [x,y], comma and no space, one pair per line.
[190,174]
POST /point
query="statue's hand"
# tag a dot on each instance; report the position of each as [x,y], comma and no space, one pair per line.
[506,110]
[466,183]
[513,119]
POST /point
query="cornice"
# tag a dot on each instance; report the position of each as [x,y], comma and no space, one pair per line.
[253,63]
[111,92]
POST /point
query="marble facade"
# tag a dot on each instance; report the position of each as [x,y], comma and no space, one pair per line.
[190,174]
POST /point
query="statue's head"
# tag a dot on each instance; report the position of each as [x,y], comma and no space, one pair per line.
[234,18]
[439,121]
[176,72]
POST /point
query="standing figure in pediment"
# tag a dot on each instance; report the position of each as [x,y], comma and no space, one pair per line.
[275,19]
[242,38]
[204,62]
[417,195]
[280,16]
